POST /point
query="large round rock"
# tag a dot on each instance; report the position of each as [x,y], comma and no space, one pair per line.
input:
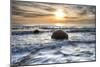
[59,34]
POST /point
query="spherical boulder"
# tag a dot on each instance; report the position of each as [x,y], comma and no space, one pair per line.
[59,34]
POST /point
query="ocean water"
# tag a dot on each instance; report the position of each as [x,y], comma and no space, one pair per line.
[33,49]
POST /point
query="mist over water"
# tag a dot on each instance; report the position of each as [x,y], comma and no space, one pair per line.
[30,49]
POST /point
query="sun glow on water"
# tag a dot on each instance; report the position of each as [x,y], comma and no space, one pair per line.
[60,24]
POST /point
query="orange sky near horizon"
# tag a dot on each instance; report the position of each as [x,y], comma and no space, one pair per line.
[48,13]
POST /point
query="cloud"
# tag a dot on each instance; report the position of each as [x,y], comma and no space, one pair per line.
[29,9]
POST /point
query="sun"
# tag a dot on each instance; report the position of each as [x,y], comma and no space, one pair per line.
[59,13]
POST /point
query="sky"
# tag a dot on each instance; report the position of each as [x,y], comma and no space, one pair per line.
[30,12]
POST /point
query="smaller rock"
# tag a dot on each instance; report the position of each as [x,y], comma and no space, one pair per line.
[36,31]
